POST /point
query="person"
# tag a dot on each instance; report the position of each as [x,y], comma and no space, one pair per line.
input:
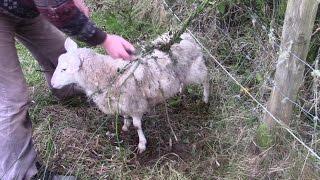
[39,25]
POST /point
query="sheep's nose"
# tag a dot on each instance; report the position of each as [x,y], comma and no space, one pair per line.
[52,83]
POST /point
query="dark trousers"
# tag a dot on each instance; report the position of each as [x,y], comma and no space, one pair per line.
[46,43]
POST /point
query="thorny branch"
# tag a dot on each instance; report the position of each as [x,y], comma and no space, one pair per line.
[176,35]
[164,47]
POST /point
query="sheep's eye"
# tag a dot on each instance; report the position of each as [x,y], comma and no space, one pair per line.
[62,70]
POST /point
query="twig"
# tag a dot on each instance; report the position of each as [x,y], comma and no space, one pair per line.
[176,35]
[87,144]
[169,122]
[316,31]
[164,47]
[304,165]
[278,121]
[185,25]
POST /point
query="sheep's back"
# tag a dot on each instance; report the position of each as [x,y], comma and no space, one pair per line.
[155,78]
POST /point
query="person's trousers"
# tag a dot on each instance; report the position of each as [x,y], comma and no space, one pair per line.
[46,43]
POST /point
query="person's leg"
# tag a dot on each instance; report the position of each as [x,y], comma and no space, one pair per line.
[46,44]
[17,155]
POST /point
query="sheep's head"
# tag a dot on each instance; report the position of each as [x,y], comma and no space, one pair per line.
[68,66]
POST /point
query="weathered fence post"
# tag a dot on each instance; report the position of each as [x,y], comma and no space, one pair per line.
[296,35]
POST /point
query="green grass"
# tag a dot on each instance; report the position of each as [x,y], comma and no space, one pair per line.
[130,28]
[30,67]
[264,137]
[41,96]
[222,140]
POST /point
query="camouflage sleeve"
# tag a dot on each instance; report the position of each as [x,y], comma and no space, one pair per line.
[68,18]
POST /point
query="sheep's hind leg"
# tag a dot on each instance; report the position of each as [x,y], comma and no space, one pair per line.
[206,90]
[126,123]
[142,139]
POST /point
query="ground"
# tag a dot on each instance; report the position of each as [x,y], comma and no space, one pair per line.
[187,139]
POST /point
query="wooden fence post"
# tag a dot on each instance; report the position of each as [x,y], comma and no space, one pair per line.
[296,35]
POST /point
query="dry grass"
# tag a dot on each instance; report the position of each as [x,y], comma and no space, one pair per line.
[215,141]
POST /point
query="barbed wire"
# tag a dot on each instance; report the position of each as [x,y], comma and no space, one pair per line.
[285,98]
[282,125]
[256,18]
[315,118]
[310,150]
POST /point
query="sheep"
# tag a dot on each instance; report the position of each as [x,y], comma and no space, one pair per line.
[156,77]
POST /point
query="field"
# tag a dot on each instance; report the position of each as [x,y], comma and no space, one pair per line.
[187,139]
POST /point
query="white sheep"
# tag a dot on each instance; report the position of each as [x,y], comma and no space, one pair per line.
[144,83]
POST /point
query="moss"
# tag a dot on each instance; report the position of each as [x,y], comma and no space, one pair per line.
[264,137]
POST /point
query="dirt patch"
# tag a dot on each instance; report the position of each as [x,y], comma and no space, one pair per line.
[83,140]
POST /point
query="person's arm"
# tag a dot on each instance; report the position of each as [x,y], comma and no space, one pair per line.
[82,6]
[66,16]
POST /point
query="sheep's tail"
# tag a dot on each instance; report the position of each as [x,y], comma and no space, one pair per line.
[188,37]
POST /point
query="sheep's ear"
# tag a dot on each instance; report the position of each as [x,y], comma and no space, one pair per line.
[70,45]
[75,66]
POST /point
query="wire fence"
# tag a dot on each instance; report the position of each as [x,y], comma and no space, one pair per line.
[311,149]
[234,79]
[270,33]
[278,121]
[256,19]
[285,98]
[315,118]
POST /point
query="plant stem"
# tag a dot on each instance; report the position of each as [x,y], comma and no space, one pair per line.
[176,35]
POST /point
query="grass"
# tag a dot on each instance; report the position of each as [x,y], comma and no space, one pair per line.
[222,140]
[264,137]
[30,67]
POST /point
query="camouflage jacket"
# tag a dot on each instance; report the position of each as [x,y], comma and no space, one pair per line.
[62,13]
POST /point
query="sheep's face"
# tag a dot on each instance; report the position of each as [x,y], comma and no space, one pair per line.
[68,66]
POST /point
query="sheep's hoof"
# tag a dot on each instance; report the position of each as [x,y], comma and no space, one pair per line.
[125,128]
[141,148]
[205,100]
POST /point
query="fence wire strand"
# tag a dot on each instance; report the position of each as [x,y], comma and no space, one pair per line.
[285,98]
[274,85]
[282,125]
[315,118]
[257,19]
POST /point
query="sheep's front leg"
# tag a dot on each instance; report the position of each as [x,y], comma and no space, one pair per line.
[142,139]
[126,123]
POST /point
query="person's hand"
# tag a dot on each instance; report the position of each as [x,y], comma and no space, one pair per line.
[82,7]
[117,47]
